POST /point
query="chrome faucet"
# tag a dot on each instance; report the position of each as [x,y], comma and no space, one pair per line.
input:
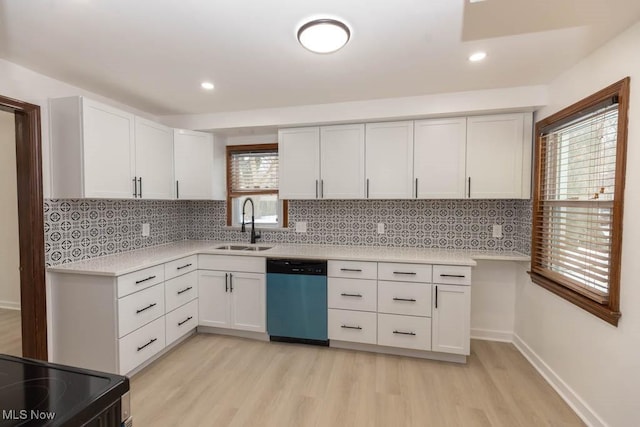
[253,226]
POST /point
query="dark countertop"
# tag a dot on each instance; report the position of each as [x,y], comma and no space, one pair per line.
[36,393]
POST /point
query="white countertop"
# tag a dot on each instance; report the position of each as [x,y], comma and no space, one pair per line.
[127,262]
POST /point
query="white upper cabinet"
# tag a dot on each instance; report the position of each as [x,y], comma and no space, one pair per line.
[154,160]
[199,166]
[92,150]
[389,160]
[321,162]
[499,156]
[342,162]
[439,158]
[299,163]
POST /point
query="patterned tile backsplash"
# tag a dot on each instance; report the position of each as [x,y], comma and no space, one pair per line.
[81,229]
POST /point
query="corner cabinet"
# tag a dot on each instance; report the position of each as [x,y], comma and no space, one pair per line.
[322,162]
[199,166]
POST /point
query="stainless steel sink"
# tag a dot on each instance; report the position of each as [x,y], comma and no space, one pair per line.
[243,248]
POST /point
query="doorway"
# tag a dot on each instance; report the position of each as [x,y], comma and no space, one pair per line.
[30,233]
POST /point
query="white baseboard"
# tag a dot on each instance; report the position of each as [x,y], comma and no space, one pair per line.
[10,305]
[579,406]
[491,335]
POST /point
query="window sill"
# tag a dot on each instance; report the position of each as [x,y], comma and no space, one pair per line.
[260,229]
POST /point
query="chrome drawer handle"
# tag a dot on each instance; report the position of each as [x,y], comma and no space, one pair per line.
[351,295]
[184,266]
[355,270]
[404,299]
[409,273]
[185,321]
[462,276]
[146,308]
[350,327]
[403,333]
[148,344]
[145,280]
[185,290]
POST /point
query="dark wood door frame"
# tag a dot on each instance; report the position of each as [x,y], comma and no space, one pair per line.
[30,227]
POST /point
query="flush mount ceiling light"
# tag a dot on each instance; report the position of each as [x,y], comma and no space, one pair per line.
[478,56]
[324,35]
[207,85]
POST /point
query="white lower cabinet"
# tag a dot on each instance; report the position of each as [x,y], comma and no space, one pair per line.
[353,326]
[233,299]
[140,345]
[451,319]
[404,331]
[181,321]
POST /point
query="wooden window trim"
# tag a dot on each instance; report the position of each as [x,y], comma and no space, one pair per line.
[232,149]
[610,310]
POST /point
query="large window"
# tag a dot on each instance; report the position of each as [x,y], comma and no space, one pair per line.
[252,171]
[577,206]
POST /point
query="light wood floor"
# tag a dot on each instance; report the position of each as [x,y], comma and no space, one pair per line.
[10,332]
[212,380]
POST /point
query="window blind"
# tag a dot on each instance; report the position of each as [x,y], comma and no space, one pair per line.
[575,209]
[252,172]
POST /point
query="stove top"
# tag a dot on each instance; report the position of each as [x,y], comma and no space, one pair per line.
[35,393]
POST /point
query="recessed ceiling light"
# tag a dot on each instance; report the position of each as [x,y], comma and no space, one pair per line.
[324,35]
[207,85]
[478,56]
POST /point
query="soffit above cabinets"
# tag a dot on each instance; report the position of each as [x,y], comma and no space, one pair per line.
[153,55]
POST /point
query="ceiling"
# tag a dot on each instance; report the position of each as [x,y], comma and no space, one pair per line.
[153,54]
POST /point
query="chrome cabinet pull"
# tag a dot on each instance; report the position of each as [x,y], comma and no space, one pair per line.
[145,280]
[404,299]
[404,333]
[350,327]
[146,308]
[148,344]
[351,295]
[185,290]
[408,273]
[184,266]
[185,321]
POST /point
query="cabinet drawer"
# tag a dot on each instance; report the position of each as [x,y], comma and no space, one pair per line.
[181,320]
[452,274]
[351,294]
[404,272]
[138,280]
[138,309]
[404,331]
[247,264]
[352,269]
[353,326]
[180,266]
[140,345]
[180,290]
[413,299]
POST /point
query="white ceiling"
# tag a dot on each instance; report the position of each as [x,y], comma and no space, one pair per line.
[153,54]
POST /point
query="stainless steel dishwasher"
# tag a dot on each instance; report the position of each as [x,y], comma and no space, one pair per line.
[297,301]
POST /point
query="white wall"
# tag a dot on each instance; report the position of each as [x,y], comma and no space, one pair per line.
[26,85]
[9,243]
[525,98]
[595,364]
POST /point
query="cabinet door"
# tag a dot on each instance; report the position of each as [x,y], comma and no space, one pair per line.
[342,162]
[193,153]
[108,150]
[389,160]
[439,158]
[451,319]
[213,299]
[154,160]
[495,156]
[299,163]
[248,304]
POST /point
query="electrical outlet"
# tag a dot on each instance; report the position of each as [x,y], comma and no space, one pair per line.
[301,227]
[380,228]
[497,231]
[146,229]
